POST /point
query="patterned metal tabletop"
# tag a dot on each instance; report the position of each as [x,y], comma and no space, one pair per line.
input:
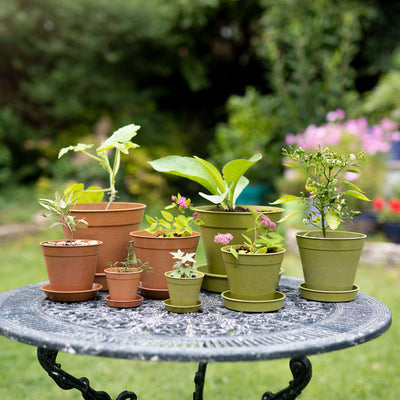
[149,332]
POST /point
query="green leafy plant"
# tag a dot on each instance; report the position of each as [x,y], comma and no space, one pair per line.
[130,264]
[174,226]
[225,188]
[120,142]
[326,189]
[266,239]
[59,210]
[183,268]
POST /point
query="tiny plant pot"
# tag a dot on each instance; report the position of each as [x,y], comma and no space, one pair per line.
[71,267]
[184,291]
[123,286]
[253,276]
[330,264]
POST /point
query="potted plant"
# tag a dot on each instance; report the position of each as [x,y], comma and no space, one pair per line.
[184,284]
[388,214]
[329,257]
[253,267]
[109,221]
[70,263]
[164,235]
[123,280]
[223,215]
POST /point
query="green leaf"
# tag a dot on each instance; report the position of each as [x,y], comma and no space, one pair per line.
[291,165]
[168,216]
[78,147]
[357,195]
[333,220]
[234,252]
[285,199]
[289,216]
[352,186]
[121,139]
[150,220]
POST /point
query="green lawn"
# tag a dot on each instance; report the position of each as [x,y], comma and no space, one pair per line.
[368,371]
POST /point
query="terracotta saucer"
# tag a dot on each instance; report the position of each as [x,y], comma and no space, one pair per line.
[124,303]
[182,309]
[152,293]
[53,293]
[253,305]
[328,296]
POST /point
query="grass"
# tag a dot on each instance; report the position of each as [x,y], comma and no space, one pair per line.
[368,371]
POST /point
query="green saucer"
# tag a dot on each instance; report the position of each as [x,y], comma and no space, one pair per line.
[182,309]
[253,305]
[213,282]
[328,296]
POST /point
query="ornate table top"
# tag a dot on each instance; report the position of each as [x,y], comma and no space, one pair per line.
[149,332]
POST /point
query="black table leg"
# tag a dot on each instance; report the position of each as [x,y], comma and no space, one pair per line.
[199,379]
[301,371]
[47,359]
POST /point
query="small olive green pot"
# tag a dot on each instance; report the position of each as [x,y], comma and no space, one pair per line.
[184,291]
[233,222]
[330,264]
[253,276]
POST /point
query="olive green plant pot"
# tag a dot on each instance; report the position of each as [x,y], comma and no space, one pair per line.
[253,276]
[330,264]
[184,291]
[236,223]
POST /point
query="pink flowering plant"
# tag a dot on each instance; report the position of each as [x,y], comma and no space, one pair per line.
[326,189]
[266,238]
[179,225]
[183,267]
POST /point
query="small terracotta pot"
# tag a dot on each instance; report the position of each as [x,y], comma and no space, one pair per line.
[184,291]
[71,268]
[123,286]
[156,252]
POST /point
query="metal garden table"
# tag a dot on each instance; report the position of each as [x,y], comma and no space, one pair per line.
[214,334]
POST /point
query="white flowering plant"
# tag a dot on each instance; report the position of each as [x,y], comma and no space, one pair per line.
[326,186]
[266,239]
[183,268]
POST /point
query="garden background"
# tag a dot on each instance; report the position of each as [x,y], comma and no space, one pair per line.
[220,79]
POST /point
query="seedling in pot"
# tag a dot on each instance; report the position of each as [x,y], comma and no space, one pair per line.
[59,210]
[129,264]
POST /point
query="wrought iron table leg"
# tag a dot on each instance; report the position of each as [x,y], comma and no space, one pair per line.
[301,371]
[47,359]
[199,379]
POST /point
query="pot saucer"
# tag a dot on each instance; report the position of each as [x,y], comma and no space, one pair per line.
[55,294]
[329,296]
[124,303]
[182,309]
[152,293]
[253,305]
[213,282]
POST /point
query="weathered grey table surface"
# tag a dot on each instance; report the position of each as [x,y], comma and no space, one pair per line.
[214,334]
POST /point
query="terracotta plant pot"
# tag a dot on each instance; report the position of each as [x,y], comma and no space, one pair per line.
[236,223]
[253,276]
[156,252]
[184,291]
[71,268]
[330,264]
[112,227]
[123,286]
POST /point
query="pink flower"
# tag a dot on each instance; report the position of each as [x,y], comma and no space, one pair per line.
[389,125]
[195,215]
[394,205]
[223,238]
[264,220]
[378,203]
[181,202]
[337,115]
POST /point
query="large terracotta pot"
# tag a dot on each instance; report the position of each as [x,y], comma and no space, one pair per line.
[253,276]
[156,252]
[236,223]
[112,227]
[71,268]
[330,264]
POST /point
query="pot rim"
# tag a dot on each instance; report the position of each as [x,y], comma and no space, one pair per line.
[97,207]
[134,272]
[225,249]
[199,274]
[48,243]
[353,235]
[148,235]
[212,210]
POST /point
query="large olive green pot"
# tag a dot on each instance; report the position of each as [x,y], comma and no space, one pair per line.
[218,221]
[184,291]
[252,276]
[330,264]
